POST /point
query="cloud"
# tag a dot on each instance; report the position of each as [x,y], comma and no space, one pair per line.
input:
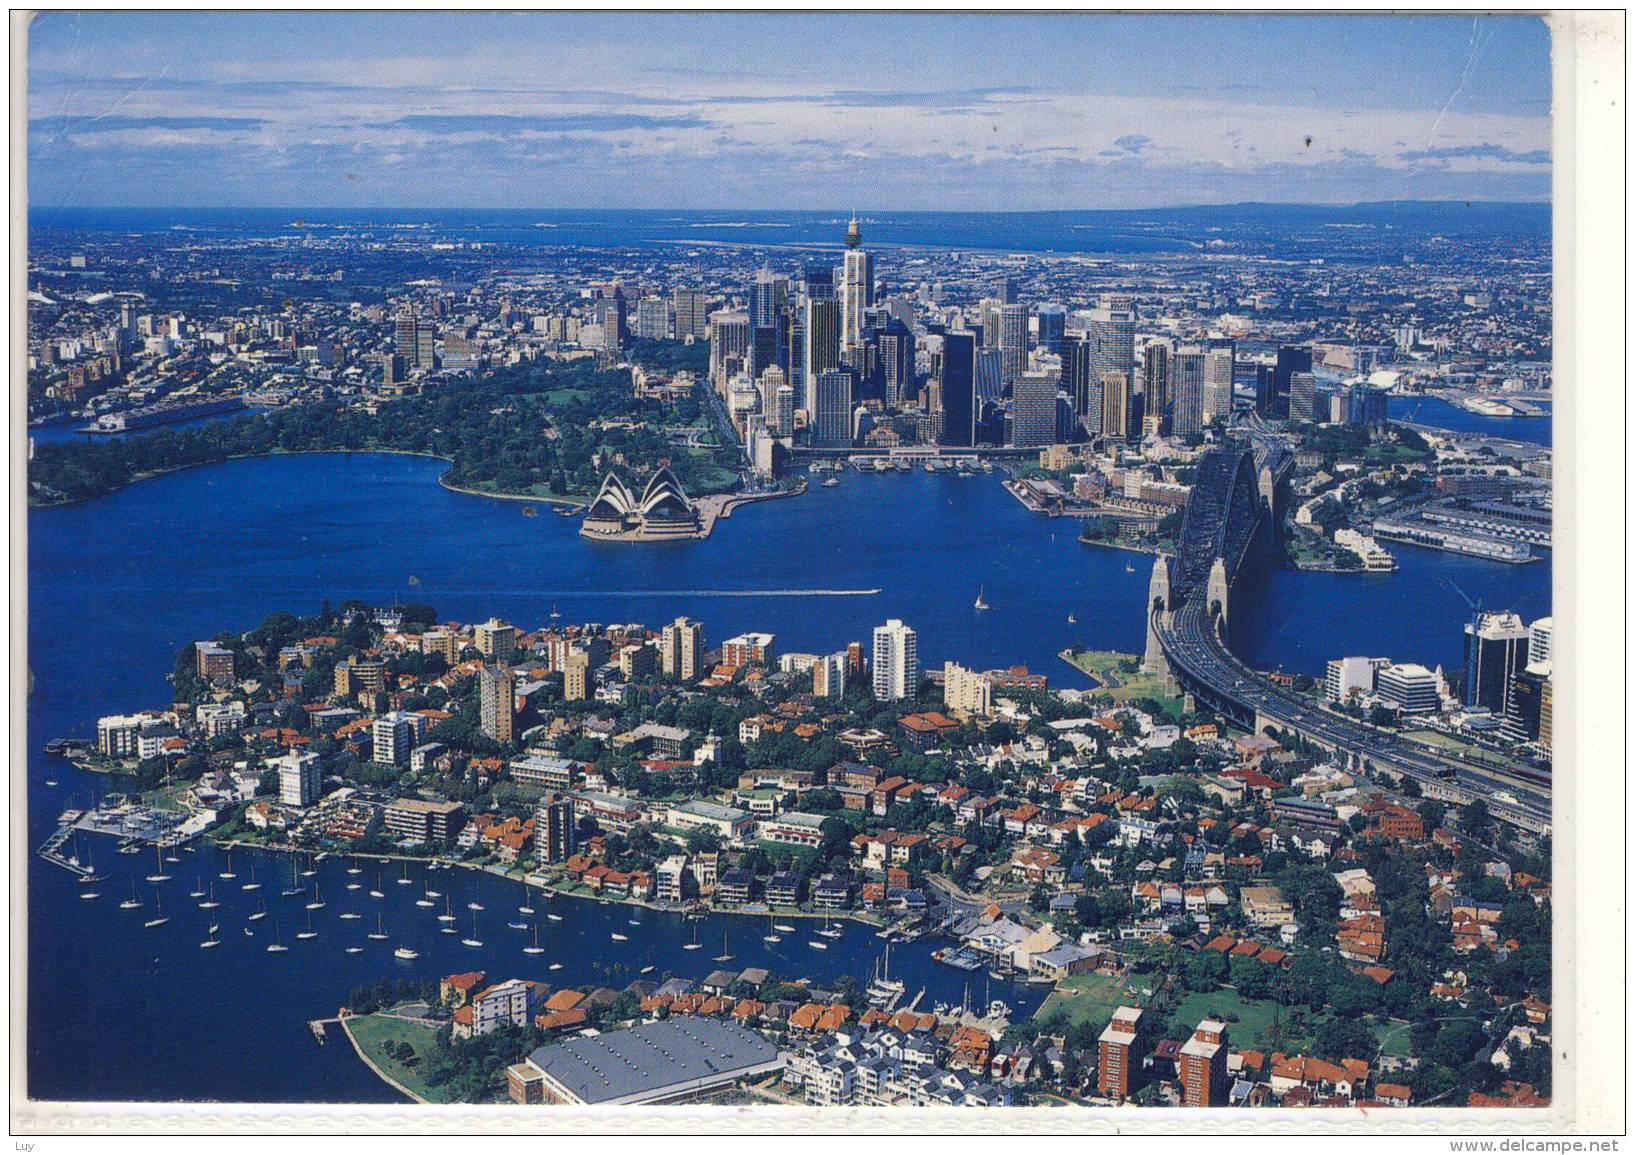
[1485,151]
[85,125]
[937,99]
[577,122]
[1132,143]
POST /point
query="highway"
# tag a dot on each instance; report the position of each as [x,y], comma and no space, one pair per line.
[1201,661]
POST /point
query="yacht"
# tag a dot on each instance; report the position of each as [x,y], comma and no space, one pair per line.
[228,873]
[617,937]
[354,950]
[554,917]
[158,874]
[1071,620]
[210,939]
[647,970]
[448,912]
[252,884]
[260,914]
[354,886]
[295,887]
[379,933]
[783,928]
[473,940]
[309,932]
[350,915]
[158,918]
[475,906]
[404,952]
[405,879]
[89,894]
[726,951]
[555,966]
[816,945]
[198,889]
[354,870]
[981,602]
[536,948]
[210,903]
[695,944]
[317,902]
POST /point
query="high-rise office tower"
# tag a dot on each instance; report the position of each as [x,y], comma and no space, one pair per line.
[767,295]
[832,409]
[730,339]
[856,294]
[1496,647]
[956,387]
[1076,371]
[1112,338]
[1187,383]
[777,402]
[692,309]
[497,702]
[896,662]
[1115,406]
[653,319]
[764,349]
[681,650]
[1156,379]
[822,345]
[1004,290]
[1052,327]
[990,374]
[1303,397]
[1033,410]
[1218,364]
[407,344]
[1013,341]
[896,346]
[1291,359]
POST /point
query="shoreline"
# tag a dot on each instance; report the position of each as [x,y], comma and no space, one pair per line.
[577,502]
[341,1020]
[555,891]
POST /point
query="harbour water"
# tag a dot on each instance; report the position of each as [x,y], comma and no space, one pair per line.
[118,585]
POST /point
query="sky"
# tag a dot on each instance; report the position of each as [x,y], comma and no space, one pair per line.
[736,110]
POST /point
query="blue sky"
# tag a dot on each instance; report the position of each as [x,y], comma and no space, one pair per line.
[782,111]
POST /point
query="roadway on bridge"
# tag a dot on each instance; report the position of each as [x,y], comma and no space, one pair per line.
[1199,657]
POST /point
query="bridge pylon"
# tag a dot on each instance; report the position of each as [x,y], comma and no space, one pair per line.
[1154,662]
[1220,588]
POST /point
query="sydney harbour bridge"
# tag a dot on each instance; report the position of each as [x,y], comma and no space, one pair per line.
[1229,527]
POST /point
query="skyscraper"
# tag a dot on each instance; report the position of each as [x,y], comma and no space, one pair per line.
[1052,327]
[1496,648]
[832,409]
[1291,359]
[1303,397]
[1187,381]
[730,339]
[1112,338]
[681,649]
[1033,410]
[497,702]
[897,362]
[692,308]
[576,676]
[822,345]
[856,293]
[1115,406]
[1013,341]
[896,662]
[957,387]
[495,639]
[1218,365]
[1156,380]
[653,319]
[1076,373]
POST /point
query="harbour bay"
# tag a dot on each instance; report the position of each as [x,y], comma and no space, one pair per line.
[120,583]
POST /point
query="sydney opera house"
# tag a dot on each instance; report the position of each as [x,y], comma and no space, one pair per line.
[662,510]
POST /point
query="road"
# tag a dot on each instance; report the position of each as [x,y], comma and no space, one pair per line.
[1201,660]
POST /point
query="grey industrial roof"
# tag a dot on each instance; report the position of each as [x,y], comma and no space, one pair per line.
[647,1061]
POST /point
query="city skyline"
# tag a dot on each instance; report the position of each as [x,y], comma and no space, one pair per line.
[640,110]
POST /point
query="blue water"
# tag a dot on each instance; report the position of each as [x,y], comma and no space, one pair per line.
[1438,413]
[1122,231]
[58,431]
[119,584]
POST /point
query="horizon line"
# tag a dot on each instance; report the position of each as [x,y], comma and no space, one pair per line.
[1449,200]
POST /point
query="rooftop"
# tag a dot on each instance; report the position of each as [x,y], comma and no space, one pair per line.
[654,1060]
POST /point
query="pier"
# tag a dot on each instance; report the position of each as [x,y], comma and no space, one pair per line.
[51,851]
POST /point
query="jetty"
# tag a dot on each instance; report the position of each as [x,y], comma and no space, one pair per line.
[52,849]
